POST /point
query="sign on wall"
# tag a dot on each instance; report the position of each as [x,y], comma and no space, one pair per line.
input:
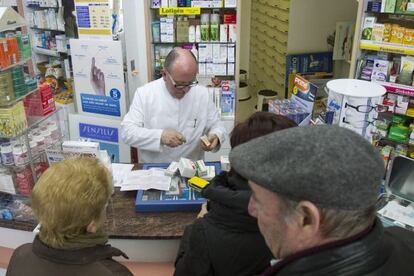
[99,77]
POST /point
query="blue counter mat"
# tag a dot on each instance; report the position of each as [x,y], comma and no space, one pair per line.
[157,201]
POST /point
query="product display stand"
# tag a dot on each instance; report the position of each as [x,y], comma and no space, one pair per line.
[29,122]
[383,52]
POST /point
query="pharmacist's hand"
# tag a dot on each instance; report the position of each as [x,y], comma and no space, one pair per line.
[172,138]
[97,79]
[214,142]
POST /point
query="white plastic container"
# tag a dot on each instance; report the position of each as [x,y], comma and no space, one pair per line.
[40,140]
[20,155]
[53,128]
[354,104]
[7,154]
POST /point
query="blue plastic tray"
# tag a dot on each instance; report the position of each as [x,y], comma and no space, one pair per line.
[158,201]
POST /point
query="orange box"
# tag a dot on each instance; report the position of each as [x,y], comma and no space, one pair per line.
[13,46]
[4,53]
[397,34]
[387,32]
[409,37]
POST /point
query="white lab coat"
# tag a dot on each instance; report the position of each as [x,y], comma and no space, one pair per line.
[154,109]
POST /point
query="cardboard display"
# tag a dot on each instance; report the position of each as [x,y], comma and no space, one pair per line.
[106,132]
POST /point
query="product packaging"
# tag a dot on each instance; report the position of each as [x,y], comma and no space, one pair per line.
[204,28]
[408,37]
[390,6]
[387,32]
[186,168]
[378,32]
[380,70]
[397,34]
[224,30]
[367,27]
[214,27]
[402,104]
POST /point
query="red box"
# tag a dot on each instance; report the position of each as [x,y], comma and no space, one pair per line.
[40,103]
[230,18]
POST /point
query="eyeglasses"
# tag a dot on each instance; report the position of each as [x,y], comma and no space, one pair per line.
[182,86]
[368,108]
[359,124]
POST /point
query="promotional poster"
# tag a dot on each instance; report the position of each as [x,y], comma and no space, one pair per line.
[99,77]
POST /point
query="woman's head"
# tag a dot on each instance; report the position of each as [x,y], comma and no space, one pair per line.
[258,124]
[70,199]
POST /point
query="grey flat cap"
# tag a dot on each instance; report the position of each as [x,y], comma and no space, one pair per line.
[330,166]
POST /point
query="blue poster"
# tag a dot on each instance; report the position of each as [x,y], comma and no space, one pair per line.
[100,105]
[100,133]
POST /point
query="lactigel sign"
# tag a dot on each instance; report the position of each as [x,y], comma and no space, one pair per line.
[100,133]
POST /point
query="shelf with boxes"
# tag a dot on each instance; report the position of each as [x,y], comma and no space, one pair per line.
[29,121]
[386,56]
[209,29]
[205,31]
[49,40]
[23,158]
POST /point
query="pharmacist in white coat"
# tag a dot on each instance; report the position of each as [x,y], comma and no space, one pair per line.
[169,115]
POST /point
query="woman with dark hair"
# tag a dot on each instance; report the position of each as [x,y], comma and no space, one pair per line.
[227,240]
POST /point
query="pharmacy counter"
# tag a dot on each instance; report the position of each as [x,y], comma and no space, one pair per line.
[144,237]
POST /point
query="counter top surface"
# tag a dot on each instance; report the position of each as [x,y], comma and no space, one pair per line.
[124,223]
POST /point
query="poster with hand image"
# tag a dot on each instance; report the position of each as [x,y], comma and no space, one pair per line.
[99,77]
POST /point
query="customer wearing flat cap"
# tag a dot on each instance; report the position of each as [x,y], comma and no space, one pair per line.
[227,241]
[314,191]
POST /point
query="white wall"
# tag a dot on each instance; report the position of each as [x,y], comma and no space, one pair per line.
[136,25]
[246,6]
[312,21]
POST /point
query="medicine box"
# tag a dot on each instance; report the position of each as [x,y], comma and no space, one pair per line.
[187,199]
[12,120]
[399,187]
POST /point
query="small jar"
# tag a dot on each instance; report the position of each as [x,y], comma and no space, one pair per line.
[53,128]
[7,154]
[24,181]
[20,155]
[47,135]
[40,140]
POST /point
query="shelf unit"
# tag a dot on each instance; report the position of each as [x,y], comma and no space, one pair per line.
[152,14]
[20,164]
[54,49]
[364,49]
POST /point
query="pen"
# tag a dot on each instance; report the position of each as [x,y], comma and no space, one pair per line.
[195,122]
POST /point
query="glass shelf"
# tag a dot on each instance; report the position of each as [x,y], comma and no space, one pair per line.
[33,122]
[18,99]
[16,64]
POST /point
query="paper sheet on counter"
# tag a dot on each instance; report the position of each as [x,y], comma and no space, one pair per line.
[154,178]
[120,172]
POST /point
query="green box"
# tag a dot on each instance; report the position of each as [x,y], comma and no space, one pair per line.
[390,6]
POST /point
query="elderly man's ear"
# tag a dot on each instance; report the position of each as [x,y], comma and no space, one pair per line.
[307,223]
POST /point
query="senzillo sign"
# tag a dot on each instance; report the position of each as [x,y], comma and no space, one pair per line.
[101,133]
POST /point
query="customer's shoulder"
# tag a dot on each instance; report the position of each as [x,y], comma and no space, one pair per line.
[23,250]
